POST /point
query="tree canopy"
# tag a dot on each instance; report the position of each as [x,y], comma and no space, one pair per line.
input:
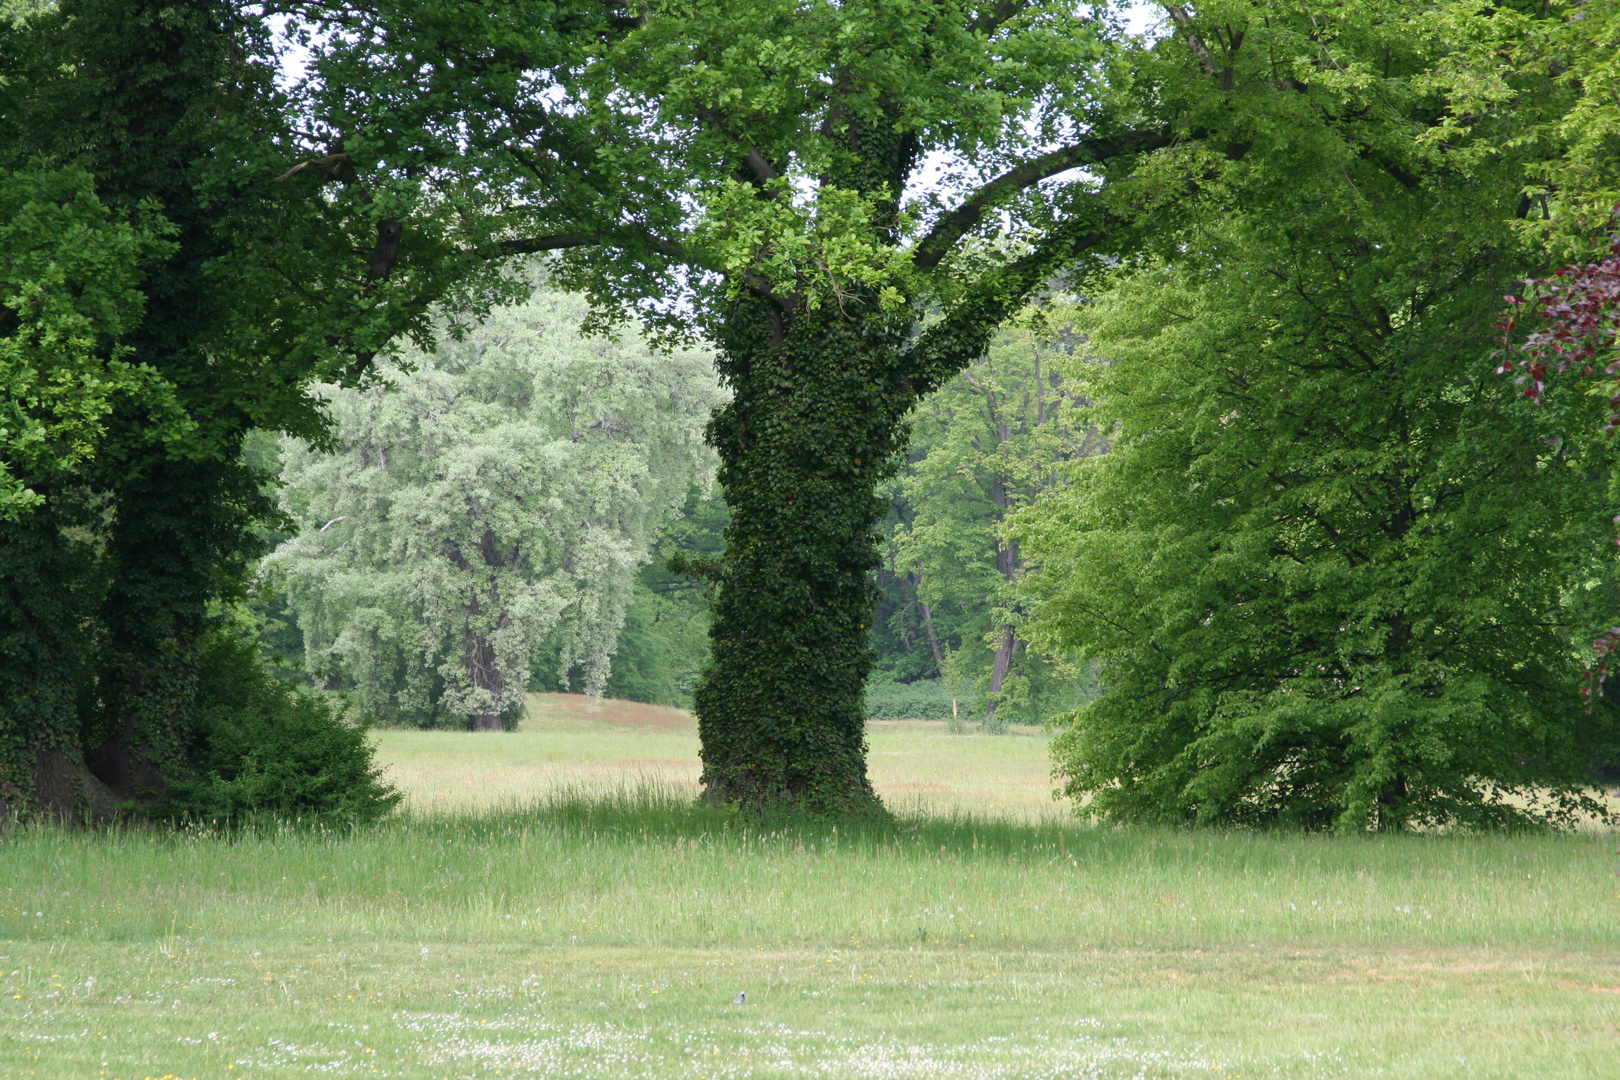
[172,282]
[1336,570]
[754,173]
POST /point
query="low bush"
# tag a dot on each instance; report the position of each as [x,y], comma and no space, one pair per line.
[266,750]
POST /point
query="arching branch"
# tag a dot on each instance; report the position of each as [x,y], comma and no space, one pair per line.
[950,229]
[950,344]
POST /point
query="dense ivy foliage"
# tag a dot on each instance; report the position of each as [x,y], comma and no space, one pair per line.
[813,426]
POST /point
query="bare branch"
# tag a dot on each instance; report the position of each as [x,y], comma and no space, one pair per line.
[627,236]
[338,167]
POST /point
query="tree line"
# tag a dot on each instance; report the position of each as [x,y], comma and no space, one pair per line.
[1310,574]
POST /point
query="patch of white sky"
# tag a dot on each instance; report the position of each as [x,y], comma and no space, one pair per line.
[292,51]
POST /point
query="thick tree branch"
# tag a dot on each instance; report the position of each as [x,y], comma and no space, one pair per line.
[763,170]
[628,237]
[950,344]
[533,245]
[1183,20]
[337,166]
[1406,179]
[386,253]
[757,162]
[953,226]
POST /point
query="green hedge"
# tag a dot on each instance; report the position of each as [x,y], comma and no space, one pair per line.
[925,699]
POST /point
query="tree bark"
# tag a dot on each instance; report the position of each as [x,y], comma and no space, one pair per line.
[933,640]
[478,652]
[998,673]
[485,675]
[178,531]
[43,608]
[1007,565]
[933,644]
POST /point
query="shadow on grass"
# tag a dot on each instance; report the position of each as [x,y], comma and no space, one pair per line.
[650,812]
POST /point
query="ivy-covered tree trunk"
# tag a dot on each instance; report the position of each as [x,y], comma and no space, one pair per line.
[177,540]
[768,189]
[813,428]
[41,640]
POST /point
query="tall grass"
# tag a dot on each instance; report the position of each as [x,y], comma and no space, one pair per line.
[647,867]
[606,935]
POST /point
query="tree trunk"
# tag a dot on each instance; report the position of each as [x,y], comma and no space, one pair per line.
[179,536]
[1007,565]
[812,429]
[933,640]
[485,675]
[477,651]
[43,609]
[998,672]
[933,644]
[1392,805]
[149,691]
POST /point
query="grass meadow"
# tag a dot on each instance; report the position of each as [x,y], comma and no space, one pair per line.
[552,903]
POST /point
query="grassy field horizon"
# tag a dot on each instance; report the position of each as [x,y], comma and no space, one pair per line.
[567,740]
[605,925]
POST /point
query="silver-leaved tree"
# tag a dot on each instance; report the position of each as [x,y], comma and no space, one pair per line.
[504,488]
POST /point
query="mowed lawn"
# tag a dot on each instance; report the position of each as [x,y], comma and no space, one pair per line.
[605,927]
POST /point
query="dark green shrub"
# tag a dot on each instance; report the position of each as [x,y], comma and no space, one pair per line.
[925,699]
[266,750]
